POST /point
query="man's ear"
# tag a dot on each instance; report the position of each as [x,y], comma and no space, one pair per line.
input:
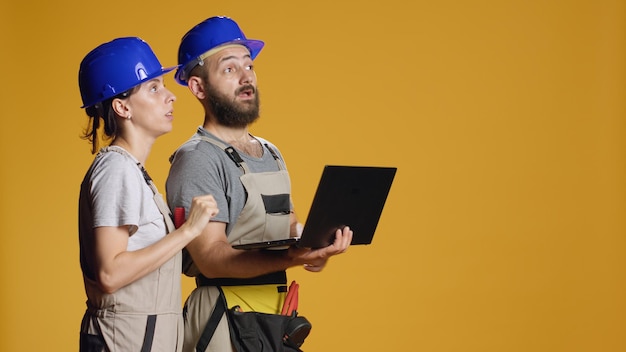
[121,108]
[196,86]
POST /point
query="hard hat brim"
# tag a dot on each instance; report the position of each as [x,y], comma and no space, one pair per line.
[253,45]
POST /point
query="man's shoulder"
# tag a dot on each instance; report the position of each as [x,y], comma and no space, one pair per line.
[196,146]
[266,142]
[263,140]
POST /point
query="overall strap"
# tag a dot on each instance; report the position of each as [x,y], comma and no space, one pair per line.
[158,199]
[281,166]
[214,320]
[235,157]
[230,151]
[149,336]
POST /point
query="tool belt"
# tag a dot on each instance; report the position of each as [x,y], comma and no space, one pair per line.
[278,278]
[255,332]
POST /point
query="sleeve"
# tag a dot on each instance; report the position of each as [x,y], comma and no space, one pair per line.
[115,193]
[193,173]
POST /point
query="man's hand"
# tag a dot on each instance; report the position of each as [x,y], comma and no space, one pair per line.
[315,260]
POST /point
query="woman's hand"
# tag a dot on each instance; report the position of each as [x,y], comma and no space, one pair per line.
[201,210]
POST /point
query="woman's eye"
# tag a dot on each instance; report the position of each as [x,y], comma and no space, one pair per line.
[250,68]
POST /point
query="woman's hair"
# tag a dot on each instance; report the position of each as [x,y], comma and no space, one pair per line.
[103,110]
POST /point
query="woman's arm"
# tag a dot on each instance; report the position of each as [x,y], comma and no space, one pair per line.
[116,267]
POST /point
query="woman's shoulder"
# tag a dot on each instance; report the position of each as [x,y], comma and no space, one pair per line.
[113,163]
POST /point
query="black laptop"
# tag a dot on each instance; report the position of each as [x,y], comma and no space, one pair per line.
[346,196]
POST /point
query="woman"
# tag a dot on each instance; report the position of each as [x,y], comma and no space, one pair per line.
[131,269]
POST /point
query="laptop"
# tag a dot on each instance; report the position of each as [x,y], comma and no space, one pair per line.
[346,196]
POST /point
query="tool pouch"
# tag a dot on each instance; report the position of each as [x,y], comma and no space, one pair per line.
[255,332]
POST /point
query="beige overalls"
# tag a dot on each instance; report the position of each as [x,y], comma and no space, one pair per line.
[142,316]
[255,223]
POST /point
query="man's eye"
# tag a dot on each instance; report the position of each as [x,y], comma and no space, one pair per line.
[250,68]
[228,70]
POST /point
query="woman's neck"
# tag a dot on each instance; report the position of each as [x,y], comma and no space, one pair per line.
[139,149]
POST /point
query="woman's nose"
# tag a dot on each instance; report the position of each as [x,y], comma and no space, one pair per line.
[170,97]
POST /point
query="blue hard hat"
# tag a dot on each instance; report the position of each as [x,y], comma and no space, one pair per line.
[211,33]
[115,67]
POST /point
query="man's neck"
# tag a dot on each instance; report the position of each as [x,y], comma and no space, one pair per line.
[228,134]
[238,137]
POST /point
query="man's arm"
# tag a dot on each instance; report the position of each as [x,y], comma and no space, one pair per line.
[215,258]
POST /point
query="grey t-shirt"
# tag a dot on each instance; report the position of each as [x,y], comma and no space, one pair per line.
[199,167]
[115,193]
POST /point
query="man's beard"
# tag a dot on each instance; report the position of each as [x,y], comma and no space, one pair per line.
[230,113]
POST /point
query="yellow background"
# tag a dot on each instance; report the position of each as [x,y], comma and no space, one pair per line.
[505,229]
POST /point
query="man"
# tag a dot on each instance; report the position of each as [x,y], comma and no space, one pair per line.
[248,179]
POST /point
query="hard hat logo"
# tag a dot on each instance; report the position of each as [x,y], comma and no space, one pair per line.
[208,37]
[141,72]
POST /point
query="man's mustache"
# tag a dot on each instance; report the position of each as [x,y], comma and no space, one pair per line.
[246,87]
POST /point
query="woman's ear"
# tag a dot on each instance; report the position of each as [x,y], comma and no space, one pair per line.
[120,108]
[196,87]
